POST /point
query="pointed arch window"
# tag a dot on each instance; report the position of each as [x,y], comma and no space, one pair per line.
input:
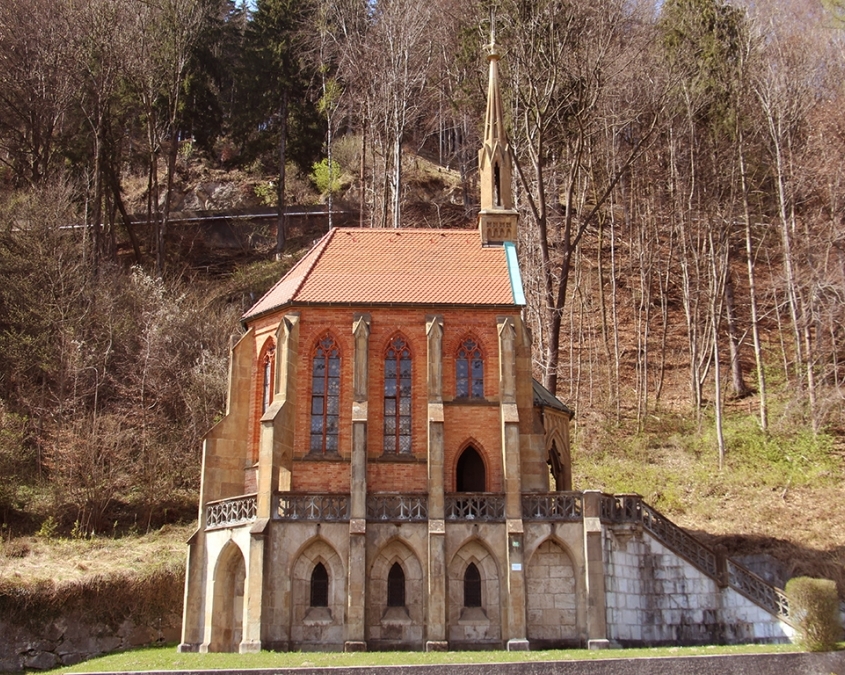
[397,397]
[319,586]
[469,370]
[472,586]
[396,586]
[325,397]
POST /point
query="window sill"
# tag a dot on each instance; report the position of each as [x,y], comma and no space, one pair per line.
[318,616]
[397,458]
[463,402]
[396,616]
[319,457]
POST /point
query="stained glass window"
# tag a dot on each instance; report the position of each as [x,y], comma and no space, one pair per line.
[469,370]
[397,397]
[325,397]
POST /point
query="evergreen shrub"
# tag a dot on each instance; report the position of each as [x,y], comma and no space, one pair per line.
[814,607]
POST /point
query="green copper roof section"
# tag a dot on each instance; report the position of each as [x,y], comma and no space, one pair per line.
[514,274]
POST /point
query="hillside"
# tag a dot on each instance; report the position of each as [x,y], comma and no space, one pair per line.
[781,494]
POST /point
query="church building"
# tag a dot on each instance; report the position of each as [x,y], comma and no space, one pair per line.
[388,474]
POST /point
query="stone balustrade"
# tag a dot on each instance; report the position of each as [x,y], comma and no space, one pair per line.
[758,590]
[397,508]
[486,507]
[478,506]
[313,507]
[231,512]
[561,506]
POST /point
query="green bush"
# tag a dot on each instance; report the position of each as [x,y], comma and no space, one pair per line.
[326,180]
[814,607]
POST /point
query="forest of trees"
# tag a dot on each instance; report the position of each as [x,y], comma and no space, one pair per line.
[680,176]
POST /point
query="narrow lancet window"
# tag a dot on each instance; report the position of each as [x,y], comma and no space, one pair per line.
[396,586]
[319,586]
[325,397]
[472,586]
[397,397]
[469,370]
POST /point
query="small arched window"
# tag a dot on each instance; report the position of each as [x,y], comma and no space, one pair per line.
[319,586]
[472,586]
[397,397]
[325,396]
[469,370]
[396,586]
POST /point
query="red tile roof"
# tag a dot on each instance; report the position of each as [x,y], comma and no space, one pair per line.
[395,266]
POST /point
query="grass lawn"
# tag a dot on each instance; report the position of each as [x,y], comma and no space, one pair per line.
[166,658]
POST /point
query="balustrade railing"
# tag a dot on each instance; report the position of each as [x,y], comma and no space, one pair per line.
[231,512]
[393,507]
[475,507]
[620,508]
[758,590]
[679,541]
[566,506]
[322,507]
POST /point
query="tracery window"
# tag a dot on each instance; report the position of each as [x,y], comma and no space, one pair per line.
[397,397]
[319,586]
[472,586]
[469,370]
[325,396]
[396,586]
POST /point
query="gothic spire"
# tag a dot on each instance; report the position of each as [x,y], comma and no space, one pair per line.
[497,220]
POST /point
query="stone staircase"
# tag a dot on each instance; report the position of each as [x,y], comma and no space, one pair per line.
[630,509]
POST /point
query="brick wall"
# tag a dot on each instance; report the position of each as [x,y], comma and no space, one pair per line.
[466,424]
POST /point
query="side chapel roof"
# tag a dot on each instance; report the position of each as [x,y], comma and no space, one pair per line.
[399,266]
[546,399]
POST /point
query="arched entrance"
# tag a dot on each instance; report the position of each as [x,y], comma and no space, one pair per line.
[228,603]
[470,475]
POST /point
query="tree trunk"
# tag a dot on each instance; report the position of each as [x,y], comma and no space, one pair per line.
[740,389]
[752,291]
[281,221]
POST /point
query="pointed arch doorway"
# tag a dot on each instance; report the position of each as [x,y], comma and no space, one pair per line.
[470,473]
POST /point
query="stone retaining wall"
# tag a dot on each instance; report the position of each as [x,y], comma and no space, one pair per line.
[69,639]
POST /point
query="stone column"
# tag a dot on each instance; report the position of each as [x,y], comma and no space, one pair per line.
[594,557]
[514,576]
[193,609]
[357,579]
[275,442]
[436,607]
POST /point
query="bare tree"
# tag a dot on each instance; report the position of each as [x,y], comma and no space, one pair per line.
[558,58]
